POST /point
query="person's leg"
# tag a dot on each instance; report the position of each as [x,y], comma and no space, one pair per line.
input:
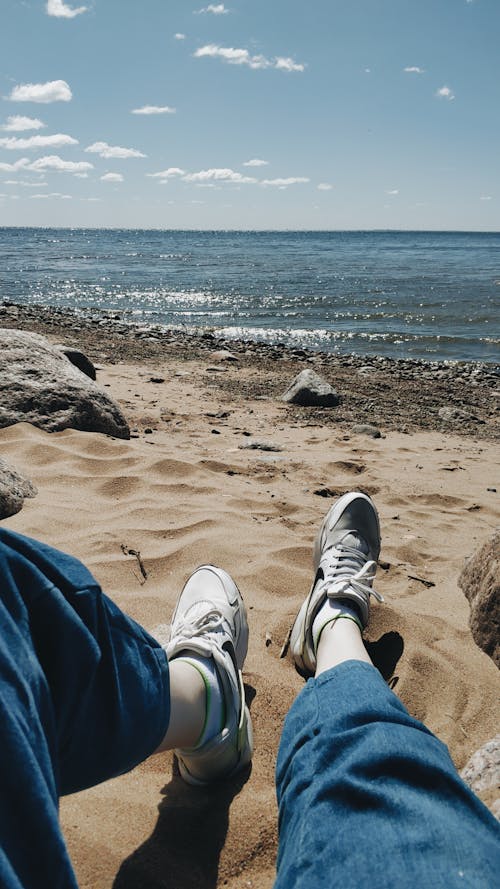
[106,677]
[367,796]
[84,696]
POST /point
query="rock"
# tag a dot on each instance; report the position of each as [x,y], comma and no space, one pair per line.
[366,429]
[14,489]
[260,446]
[453,414]
[483,768]
[80,361]
[309,389]
[39,385]
[482,774]
[480,583]
[223,355]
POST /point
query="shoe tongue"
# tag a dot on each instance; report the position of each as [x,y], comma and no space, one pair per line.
[355,541]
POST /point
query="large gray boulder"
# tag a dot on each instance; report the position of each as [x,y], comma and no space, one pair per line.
[14,488]
[480,583]
[311,390]
[39,385]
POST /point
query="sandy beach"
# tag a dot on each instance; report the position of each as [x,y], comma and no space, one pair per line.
[187,489]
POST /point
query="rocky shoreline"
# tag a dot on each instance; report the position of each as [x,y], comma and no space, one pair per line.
[458,397]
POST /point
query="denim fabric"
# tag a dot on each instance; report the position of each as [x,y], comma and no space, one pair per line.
[368,797]
[84,696]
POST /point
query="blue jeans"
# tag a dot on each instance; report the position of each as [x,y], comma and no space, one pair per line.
[368,797]
[84,696]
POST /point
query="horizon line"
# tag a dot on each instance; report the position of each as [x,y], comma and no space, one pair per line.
[450,231]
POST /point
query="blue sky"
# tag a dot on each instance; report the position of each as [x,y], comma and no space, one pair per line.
[251,114]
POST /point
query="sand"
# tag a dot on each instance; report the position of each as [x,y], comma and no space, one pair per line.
[186,493]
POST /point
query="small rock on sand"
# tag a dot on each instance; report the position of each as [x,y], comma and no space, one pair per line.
[366,429]
[223,355]
[260,446]
[14,489]
[311,390]
[452,414]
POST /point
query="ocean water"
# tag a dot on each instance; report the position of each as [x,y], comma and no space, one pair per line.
[431,295]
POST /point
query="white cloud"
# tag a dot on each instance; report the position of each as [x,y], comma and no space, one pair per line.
[109,151]
[393,191]
[486,197]
[234,56]
[92,200]
[16,123]
[53,194]
[112,177]
[179,36]
[61,10]
[154,109]
[54,162]
[26,184]
[58,140]
[231,55]
[325,186]
[43,93]
[413,69]
[256,162]
[214,8]
[445,93]
[17,165]
[219,174]
[82,175]
[287,64]
[283,183]
[167,174]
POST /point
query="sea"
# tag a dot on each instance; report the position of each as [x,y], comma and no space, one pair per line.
[422,295]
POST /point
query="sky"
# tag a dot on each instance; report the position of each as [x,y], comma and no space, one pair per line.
[250,114]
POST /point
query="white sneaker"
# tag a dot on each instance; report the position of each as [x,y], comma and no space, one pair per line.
[345,561]
[210,620]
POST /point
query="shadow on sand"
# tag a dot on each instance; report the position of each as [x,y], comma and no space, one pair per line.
[184,849]
[385,654]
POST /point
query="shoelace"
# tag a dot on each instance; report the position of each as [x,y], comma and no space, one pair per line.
[351,569]
[207,622]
